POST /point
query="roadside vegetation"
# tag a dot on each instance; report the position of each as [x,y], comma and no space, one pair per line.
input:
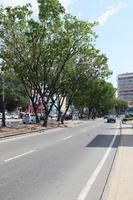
[53,57]
[128,117]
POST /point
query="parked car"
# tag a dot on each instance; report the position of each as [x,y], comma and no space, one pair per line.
[14,115]
[8,116]
[68,116]
[111,118]
[82,115]
[28,118]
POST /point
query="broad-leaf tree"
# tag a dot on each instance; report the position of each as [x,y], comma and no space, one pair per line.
[41,51]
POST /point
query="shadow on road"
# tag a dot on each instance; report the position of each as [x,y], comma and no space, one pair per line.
[104,141]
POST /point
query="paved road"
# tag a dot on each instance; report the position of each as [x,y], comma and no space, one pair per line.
[62,164]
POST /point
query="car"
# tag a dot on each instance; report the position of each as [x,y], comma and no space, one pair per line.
[14,116]
[82,115]
[28,118]
[111,118]
[68,116]
[8,116]
[105,116]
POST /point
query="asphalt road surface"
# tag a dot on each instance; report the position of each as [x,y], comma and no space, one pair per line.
[70,163]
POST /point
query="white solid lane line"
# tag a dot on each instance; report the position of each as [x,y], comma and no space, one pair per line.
[88,186]
[18,156]
[66,138]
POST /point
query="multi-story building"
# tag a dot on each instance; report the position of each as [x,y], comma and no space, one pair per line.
[125,86]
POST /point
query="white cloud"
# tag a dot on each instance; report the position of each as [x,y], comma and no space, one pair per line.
[68,3]
[20,2]
[111,11]
[80,14]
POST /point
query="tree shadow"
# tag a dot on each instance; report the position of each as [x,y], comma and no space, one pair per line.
[127,127]
[104,141]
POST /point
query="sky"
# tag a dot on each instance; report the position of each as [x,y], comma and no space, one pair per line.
[115,29]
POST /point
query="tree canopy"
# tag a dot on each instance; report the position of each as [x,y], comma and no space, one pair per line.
[54,54]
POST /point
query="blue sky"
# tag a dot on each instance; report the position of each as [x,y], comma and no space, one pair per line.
[115,28]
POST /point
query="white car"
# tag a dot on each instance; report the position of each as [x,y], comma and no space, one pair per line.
[14,116]
[28,118]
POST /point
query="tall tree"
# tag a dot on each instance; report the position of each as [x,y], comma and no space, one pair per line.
[41,51]
[97,96]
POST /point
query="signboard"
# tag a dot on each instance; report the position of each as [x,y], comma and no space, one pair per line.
[130,104]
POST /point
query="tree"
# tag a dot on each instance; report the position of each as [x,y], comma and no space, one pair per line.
[98,95]
[41,51]
[121,106]
[12,93]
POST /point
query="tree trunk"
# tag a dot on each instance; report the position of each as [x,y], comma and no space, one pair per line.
[59,116]
[3,107]
[63,116]
[62,119]
[45,122]
[89,113]
[35,110]
[3,115]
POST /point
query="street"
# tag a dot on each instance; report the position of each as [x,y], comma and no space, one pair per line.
[71,163]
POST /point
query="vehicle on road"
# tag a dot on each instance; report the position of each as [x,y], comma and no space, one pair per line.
[28,118]
[105,116]
[111,118]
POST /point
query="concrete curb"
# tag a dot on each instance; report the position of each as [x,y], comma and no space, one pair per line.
[108,183]
[120,183]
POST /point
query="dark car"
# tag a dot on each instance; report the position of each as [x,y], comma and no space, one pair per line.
[82,115]
[111,118]
[105,116]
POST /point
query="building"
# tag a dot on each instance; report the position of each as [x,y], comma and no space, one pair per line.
[125,86]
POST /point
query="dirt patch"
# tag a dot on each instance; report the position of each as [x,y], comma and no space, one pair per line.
[27,128]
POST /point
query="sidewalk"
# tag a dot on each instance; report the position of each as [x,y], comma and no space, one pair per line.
[121,181]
